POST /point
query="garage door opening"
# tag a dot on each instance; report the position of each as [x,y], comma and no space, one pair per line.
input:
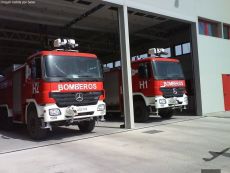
[148,30]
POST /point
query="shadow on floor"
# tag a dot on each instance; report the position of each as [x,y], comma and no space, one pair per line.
[20,132]
[215,154]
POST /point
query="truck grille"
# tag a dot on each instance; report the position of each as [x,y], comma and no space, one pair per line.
[172,92]
[69,99]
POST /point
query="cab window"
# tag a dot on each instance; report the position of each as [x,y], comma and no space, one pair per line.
[36,70]
[144,70]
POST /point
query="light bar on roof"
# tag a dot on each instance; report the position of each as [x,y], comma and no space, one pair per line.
[68,43]
[157,51]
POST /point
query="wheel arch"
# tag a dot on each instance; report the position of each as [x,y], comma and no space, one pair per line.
[32,103]
[139,96]
[9,111]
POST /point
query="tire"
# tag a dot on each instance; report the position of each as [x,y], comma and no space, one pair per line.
[34,125]
[166,113]
[6,123]
[86,126]
[141,113]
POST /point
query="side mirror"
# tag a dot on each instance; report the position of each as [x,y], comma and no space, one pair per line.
[143,71]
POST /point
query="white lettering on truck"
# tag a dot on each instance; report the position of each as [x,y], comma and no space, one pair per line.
[172,84]
[143,84]
[67,87]
[35,88]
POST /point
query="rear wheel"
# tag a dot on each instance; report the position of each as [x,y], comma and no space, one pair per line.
[141,113]
[6,123]
[86,126]
[166,113]
[34,125]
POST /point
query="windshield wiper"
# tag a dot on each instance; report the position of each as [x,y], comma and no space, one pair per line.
[85,76]
[93,80]
[66,80]
[79,80]
[89,78]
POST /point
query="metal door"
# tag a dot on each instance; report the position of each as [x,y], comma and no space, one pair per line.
[226,90]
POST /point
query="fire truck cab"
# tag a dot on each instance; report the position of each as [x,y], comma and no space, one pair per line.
[158,87]
[53,88]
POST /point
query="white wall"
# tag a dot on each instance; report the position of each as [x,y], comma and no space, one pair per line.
[214,58]
[213,53]
[214,9]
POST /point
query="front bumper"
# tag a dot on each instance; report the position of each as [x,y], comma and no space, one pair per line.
[73,112]
[174,102]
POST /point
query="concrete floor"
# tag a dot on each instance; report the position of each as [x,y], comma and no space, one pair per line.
[180,145]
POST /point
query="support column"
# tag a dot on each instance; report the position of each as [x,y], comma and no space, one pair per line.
[196,70]
[126,66]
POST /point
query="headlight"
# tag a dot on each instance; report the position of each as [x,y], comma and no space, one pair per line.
[54,112]
[186,99]
[162,101]
[101,107]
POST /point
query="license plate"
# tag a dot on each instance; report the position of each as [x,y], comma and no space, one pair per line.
[82,109]
[172,101]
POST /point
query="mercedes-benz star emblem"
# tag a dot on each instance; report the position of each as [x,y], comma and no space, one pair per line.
[174,91]
[79,97]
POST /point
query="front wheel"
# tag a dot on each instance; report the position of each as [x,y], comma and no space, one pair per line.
[34,125]
[141,113]
[166,113]
[86,126]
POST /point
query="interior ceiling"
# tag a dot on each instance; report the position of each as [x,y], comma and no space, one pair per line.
[25,29]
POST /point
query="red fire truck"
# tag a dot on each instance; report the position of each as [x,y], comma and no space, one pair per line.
[158,88]
[53,88]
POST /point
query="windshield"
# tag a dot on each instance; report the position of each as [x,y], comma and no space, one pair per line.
[167,70]
[72,68]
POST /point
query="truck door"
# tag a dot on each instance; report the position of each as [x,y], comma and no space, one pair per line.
[36,75]
[144,74]
[33,75]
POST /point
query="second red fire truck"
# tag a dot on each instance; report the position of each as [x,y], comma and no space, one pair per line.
[58,87]
[158,87]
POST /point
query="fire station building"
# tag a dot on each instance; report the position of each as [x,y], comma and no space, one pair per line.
[196,32]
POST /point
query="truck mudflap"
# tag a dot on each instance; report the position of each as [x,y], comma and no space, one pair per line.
[174,102]
[53,113]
